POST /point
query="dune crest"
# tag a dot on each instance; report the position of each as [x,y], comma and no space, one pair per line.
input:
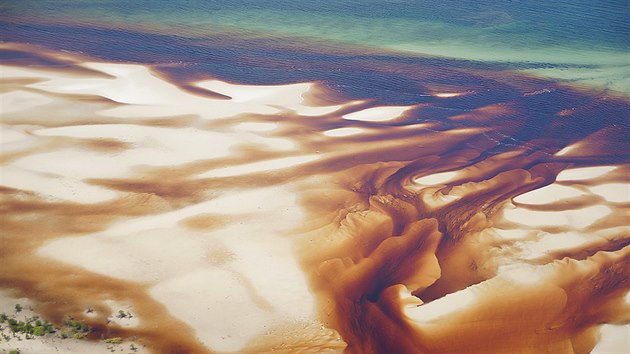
[250,219]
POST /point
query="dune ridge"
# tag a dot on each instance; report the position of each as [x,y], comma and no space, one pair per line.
[257,219]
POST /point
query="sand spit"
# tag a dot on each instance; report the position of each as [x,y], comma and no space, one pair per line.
[231,283]
[260,222]
[377,114]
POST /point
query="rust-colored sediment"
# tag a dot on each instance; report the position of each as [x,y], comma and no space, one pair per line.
[379,243]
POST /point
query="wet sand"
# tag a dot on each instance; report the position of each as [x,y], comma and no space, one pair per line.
[290,218]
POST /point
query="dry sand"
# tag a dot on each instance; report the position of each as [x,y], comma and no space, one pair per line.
[231,283]
[202,215]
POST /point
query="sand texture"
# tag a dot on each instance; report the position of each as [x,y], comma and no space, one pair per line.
[257,219]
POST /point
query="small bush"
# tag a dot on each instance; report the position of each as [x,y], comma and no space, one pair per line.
[39,330]
[114,340]
[76,326]
[49,327]
[79,335]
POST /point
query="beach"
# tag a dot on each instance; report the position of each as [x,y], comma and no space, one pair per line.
[354,202]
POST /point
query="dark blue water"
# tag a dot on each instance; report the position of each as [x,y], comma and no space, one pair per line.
[273,42]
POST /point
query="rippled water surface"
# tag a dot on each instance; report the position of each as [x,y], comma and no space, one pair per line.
[361,177]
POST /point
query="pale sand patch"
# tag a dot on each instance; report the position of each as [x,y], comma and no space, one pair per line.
[548,194]
[340,132]
[121,315]
[467,131]
[615,339]
[151,146]
[444,306]
[13,138]
[236,298]
[254,203]
[54,187]
[205,109]
[146,248]
[584,173]
[149,255]
[261,288]
[225,319]
[289,96]
[156,146]
[377,114]
[613,192]
[11,135]
[266,93]
[73,164]
[261,166]
[437,178]
[14,72]
[567,149]
[129,85]
[182,141]
[523,274]
[19,100]
[459,301]
[547,243]
[578,218]
[450,94]
[434,198]
[513,234]
[256,126]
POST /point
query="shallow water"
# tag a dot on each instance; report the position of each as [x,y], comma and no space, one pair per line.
[378,201]
[582,42]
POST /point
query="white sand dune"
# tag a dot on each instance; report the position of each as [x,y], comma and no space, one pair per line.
[377,114]
[205,207]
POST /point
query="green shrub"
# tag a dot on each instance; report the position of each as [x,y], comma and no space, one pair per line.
[114,340]
[76,326]
[79,335]
[39,330]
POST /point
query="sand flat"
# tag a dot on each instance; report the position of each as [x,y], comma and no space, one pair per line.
[377,114]
[224,224]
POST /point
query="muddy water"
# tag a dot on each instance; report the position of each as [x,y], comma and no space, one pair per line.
[489,214]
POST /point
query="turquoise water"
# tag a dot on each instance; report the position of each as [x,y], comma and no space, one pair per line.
[586,42]
[503,133]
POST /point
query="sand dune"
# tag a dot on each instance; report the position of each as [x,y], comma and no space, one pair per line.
[264,222]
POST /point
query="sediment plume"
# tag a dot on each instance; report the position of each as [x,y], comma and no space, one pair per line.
[302,218]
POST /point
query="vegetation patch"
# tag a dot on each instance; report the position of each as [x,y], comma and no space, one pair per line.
[21,324]
[30,327]
[20,327]
[114,340]
[74,329]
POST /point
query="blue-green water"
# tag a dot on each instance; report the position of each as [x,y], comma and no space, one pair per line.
[512,69]
[586,42]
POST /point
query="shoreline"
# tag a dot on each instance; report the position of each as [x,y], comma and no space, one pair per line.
[215,202]
[585,75]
